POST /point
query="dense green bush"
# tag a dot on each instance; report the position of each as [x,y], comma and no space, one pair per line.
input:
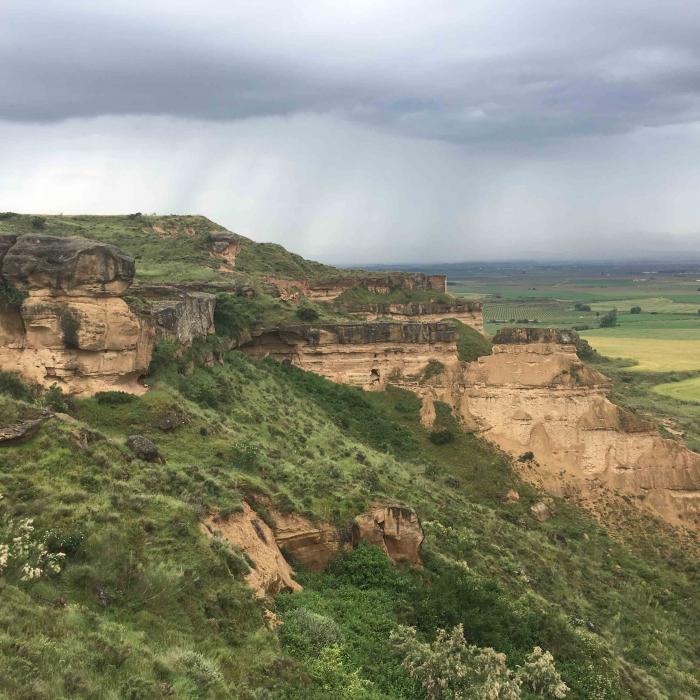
[12,385]
[609,319]
[441,436]
[307,314]
[636,310]
[114,398]
[10,295]
[233,315]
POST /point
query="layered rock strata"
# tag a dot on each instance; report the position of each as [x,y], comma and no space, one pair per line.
[533,394]
[395,529]
[68,322]
[379,283]
[364,354]
[271,574]
[468,312]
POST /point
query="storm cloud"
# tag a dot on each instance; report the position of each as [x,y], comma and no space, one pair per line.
[382,130]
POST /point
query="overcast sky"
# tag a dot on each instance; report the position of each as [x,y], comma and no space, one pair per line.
[364,131]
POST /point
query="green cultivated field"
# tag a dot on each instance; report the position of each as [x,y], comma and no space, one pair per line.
[655,354]
[685,390]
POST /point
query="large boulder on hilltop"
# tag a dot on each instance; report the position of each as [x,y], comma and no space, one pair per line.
[66,265]
[393,528]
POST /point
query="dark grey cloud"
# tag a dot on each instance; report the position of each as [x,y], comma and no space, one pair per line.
[502,72]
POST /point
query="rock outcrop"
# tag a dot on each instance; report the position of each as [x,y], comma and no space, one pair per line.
[144,449]
[72,327]
[65,266]
[225,246]
[364,354]
[534,395]
[271,573]
[393,528]
[70,323]
[314,545]
[178,314]
[468,312]
[378,283]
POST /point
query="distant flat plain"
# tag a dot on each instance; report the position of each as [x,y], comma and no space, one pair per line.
[663,338]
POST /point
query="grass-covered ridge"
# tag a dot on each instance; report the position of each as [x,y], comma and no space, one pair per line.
[146,607]
[170,248]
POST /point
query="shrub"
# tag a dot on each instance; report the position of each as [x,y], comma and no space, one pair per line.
[449,667]
[636,310]
[232,315]
[164,357]
[38,223]
[582,307]
[308,632]
[526,457]
[113,398]
[307,313]
[10,295]
[24,555]
[56,400]
[365,567]
[609,319]
[443,436]
[433,369]
[11,385]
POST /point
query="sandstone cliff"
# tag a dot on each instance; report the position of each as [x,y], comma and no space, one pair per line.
[69,323]
[534,395]
[468,312]
[378,283]
[364,354]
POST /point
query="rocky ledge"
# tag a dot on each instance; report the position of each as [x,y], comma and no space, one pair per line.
[534,396]
[468,312]
[65,317]
[364,354]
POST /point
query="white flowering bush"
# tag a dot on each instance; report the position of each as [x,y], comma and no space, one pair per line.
[451,668]
[24,554]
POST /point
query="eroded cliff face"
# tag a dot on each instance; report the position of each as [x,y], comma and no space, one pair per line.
[468,312]
[69,323]
[533,394]
[380,283]
[368,355]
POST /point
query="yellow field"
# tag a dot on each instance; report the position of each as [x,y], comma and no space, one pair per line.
[652,354]
[687,390]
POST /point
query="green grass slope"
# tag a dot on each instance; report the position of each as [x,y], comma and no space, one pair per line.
[147,607]
[169,248]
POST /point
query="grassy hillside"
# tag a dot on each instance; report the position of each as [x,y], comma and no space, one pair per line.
[146,606]
[169,248]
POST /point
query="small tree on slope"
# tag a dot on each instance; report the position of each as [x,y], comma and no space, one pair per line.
[451,669]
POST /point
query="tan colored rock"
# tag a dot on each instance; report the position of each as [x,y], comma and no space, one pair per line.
[73,329]
[272,574]
[512,496]
[395,529]
[540,511]
[427,411]
[369,355]
[533,394]
[468,312]
[312,544]
[226,246]
[67,266]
